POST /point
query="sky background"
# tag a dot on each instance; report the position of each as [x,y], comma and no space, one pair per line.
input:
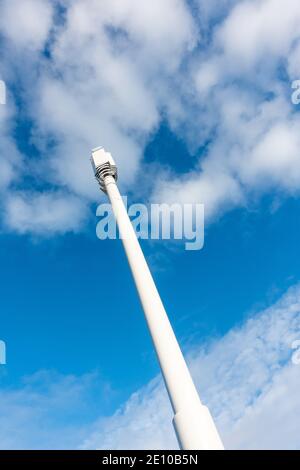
[193,99]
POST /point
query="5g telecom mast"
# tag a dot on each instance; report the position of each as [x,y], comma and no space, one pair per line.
[192,421]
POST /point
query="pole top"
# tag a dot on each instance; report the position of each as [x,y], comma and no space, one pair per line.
[100,157]
[103,165]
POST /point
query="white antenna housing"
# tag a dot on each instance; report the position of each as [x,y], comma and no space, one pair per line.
[103,165]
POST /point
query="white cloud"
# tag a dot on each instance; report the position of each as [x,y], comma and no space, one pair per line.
[294,61]
[259,30]
[48,410]
[247,378]
[275,412]
[241,109]
[275,160]
[101,80]
[26,23]
[11,159]
[44,214]
[113,70]
[108,96]
[243,377]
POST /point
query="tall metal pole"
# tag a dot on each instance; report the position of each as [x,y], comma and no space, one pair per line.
[192,420]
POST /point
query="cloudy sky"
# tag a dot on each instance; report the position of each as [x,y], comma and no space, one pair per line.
[193,99]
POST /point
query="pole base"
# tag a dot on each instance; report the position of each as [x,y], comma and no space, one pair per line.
[196,430]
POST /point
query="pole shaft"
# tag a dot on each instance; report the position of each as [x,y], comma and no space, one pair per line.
[193,424]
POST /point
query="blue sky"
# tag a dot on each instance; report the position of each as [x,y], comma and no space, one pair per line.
[194,102]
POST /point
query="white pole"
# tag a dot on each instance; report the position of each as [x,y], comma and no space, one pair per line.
[192,420]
